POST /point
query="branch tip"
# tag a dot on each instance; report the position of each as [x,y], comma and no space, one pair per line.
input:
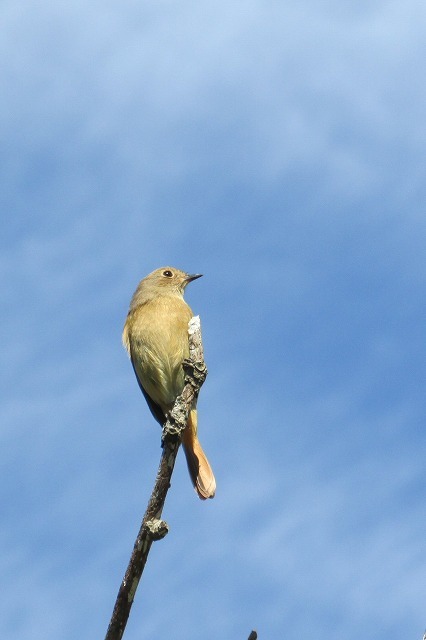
[152,527]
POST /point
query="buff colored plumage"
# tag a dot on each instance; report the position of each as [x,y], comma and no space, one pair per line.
[155,336]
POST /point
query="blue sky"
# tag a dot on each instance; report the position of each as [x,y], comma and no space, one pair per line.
[277,148]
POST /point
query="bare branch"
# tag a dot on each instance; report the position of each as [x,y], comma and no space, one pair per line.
[152,527]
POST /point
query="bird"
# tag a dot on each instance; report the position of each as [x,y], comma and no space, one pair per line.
[155,336]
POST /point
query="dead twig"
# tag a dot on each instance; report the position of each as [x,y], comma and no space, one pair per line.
[152,527]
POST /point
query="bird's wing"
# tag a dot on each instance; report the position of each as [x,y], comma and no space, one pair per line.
[155,409]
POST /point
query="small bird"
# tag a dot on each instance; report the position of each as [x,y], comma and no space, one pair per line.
[155,336]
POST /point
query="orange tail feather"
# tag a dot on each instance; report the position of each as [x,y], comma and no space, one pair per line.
[198,466]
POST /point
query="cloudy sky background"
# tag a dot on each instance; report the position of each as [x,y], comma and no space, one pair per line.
[278,148]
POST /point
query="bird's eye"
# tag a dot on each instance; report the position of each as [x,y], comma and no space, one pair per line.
[168,274]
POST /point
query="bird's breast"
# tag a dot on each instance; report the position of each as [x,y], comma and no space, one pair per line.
[158,344]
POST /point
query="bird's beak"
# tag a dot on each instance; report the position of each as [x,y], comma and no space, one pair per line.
[192,276]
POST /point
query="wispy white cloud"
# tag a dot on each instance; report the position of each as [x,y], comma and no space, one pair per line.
[278,149]
[292,84]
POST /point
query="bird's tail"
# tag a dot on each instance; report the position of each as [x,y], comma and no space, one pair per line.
[198,466]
